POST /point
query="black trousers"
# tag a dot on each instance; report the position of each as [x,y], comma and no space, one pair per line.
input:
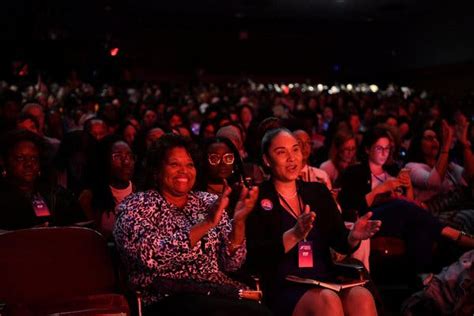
[196,304]
[416,226]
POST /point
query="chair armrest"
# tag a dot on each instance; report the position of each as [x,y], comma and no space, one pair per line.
[351,270]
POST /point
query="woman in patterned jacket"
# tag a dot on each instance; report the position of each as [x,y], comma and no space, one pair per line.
[176,243]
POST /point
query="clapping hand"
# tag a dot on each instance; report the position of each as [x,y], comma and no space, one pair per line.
[364,228]
[245,204]
[447,135]
[215,211]
[304,223]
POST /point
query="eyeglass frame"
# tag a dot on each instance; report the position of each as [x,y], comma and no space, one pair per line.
[221,158]
[381,150]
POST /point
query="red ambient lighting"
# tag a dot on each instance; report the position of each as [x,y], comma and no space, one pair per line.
[114,51]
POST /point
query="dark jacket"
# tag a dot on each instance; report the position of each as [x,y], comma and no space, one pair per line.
[16,210]
[265,228]
[356,182]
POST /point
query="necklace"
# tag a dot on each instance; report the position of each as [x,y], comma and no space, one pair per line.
[289,208]
[288,196]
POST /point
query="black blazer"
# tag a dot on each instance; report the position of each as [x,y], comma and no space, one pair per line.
[265,228]
[356,182]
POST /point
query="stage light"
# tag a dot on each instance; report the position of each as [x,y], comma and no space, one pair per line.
[114,51]
[320,87]
[333,90]
[373,88]
[311,88]
[349,87]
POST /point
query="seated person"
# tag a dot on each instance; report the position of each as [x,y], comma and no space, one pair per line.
[289,212]
[111,184]
[371,185]
[439,183]
[26,200]
[313,174]
[177,243]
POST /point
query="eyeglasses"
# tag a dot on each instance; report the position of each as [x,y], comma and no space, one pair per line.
[380,149]
[121,157]
[215,159]
[27,159]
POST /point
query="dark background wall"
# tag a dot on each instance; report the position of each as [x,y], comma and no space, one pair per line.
[418,42]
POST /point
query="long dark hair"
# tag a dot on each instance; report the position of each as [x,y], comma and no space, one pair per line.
[415,153]
[371,137]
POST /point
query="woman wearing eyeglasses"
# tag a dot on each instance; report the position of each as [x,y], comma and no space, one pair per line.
[111,184]
[221,166]
[432,172]
[374,185]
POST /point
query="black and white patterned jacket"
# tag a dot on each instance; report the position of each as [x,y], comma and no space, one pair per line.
[152,237]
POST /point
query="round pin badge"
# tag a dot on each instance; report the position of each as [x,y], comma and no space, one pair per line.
[266,204]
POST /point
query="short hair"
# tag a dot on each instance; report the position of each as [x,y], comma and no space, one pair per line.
[158,152]
[13,137]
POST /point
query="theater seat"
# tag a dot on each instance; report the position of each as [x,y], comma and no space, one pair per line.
[388,246]
[58,270]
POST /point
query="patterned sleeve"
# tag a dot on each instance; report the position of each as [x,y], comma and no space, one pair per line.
[229,261]
[153,246]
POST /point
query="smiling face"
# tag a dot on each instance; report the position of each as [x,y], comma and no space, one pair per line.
[284,157]
[178,173]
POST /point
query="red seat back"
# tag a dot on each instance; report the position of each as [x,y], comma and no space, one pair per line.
[53,264]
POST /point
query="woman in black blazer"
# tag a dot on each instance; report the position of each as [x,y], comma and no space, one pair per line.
[289,215]
[373,185]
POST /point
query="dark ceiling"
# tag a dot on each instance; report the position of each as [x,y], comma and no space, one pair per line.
[351,37]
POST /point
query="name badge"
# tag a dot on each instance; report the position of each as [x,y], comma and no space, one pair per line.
[305,254]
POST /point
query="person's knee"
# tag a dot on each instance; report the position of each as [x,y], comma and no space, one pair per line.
[328,301]
[359,299]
